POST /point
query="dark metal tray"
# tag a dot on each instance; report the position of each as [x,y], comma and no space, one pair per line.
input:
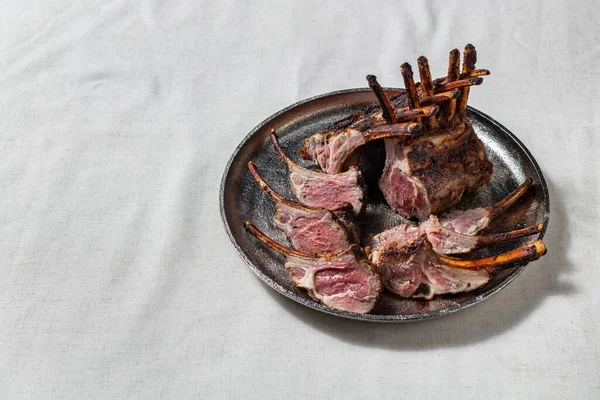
[241,199]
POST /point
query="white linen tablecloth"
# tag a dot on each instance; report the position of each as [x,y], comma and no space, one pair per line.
[116,277]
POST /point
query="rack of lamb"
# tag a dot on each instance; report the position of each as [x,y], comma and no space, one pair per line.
[433,155]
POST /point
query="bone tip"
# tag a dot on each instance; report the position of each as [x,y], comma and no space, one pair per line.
[540,227]
[274,136]
[250,165]
[406,69]
[540,248]
[469,47]
[454,53]
[422,60]
[415,127]
[247,224]
[372,79]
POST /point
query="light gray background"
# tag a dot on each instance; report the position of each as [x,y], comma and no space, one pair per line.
[116,276]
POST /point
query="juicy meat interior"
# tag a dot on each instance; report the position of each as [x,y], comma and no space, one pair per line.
[310,230]
[341,280]
[414,269]
[318,189]
[456,232]
[432,173]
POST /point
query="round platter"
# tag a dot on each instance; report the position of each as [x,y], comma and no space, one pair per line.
[241,199]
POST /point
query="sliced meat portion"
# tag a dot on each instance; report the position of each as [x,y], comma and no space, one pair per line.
[456,232]
[403,233]
[331,150]
[448,241]
[472,221]
[401,267]
[310,230]
[341,280]
[416,270]
[317,189]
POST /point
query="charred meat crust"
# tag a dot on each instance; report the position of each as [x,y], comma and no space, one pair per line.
[436,165]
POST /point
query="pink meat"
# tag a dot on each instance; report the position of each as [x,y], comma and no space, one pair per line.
[468,222]
[312,230]
[315,189]
[344,282]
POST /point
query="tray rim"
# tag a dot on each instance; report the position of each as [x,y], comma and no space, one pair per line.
[374,317]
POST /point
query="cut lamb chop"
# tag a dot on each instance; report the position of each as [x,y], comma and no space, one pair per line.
[332,148]
[456,231]
[472,221]
[447,241]
[342,280]
[310,230]
[317,189]
[427,170]
[414,269]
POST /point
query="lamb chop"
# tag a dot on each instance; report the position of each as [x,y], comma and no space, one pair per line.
[317,189]
[414,269]
[310,230]
[331,149]
[342,280]
[456,232]
[427,169]
[472,221]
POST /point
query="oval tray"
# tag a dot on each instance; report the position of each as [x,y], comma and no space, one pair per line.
[241,199]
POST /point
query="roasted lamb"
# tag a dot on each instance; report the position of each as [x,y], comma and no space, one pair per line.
[414,269]
[343,280]
[317,189]
[456,232]
[310,230]
[433,155]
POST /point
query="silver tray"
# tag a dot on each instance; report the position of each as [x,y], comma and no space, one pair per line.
[241,199]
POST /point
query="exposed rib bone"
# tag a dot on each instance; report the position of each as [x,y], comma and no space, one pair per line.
[386,108]
[427,87]
[488,240]
[501,206]
[525,253]
[409,84]
[453,75]
[284,157]
[396,130]
[463,75]
[440,97]
[469,60]
[286,251]
[265,186]
[459,84]
[426,111]
[425,75]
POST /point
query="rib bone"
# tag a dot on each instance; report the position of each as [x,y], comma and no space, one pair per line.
[384,102]
[521,254]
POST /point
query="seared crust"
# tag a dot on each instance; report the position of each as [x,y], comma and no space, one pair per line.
[450,169]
